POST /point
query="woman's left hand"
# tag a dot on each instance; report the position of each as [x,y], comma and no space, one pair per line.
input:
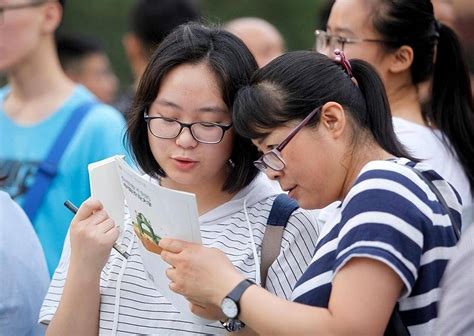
[203,275]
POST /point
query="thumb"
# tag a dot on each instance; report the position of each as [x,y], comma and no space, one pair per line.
[173,245]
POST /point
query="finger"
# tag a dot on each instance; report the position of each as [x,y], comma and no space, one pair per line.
[106,225]
[111,236]
[88,208]
[173,245]
[169,257]
[98,217]
[171,273]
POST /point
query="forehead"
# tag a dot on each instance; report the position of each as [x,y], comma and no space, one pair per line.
[191,87]
[350,15]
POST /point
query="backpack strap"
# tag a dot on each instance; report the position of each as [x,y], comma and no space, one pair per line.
[48,169]
[442,201]
[282,208]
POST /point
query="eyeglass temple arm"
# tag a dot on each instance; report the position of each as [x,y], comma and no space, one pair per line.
[297,129]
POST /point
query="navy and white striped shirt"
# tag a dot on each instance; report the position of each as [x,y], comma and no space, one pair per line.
[391,215]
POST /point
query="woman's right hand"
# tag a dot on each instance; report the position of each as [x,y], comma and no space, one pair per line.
[93,234]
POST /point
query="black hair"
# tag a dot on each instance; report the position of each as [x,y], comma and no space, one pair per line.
[294,84]
[412,23]
[73,48]
[232,63]
[152,20]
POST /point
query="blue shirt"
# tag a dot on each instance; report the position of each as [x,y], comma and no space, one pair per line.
[390,215]
[24,276]
[22,148]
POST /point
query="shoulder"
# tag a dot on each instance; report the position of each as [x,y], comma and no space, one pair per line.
[10,212]
[100,114]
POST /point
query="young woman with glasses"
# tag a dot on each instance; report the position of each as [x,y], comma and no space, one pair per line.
[325,137]
[407,45]
[181,134]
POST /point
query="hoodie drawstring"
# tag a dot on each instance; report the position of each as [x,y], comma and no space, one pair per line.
[254,247]
[118,287]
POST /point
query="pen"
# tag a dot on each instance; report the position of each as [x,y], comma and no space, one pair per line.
[117,247]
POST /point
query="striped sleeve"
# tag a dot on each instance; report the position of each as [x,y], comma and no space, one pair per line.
[381,221]
[297,249]
[56,287]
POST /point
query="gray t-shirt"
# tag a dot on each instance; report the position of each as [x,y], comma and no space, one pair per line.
[456,309]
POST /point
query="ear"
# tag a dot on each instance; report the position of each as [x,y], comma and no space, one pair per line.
[52,14]
[333,119]
[401,60]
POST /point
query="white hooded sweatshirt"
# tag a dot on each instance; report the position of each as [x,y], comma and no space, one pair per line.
[130,305]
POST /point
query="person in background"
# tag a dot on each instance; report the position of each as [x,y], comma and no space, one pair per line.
[457,300]
[260,36]
[35,107]
[25,277]
[407,45]
[325,130]
[181,134]
[84,60]
[150,21]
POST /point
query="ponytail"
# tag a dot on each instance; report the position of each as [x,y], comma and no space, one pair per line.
[379,118]
[451,100]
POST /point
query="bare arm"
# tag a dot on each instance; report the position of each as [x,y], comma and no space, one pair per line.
[363,295]
[362,299]
[92,236]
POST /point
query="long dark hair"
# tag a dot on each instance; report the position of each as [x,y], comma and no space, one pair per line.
[230,61]
[412,23]
[291,86]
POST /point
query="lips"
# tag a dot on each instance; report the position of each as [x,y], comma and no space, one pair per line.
[290,191]
[184,163]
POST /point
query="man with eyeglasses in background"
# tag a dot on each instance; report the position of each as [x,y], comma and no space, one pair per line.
[36,106]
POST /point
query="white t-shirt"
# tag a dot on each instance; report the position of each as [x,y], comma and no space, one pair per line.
[426,144]
[141,309]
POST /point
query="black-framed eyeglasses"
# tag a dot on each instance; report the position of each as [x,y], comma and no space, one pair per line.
[169,128]
[273,159]
[326,41]
[4,8]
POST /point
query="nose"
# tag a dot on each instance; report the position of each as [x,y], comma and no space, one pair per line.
[273,174]
[185,139]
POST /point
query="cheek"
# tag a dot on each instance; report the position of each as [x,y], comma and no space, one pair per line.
[16,42]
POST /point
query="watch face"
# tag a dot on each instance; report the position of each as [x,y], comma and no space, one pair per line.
[229,308]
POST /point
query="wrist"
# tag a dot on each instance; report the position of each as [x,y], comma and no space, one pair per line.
[83,271]
[226,287]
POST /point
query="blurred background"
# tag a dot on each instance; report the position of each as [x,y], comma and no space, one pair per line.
[108,20]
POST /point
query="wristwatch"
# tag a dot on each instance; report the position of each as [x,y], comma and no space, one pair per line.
[231,308]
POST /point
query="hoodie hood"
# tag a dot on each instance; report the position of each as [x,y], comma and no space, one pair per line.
[259,189]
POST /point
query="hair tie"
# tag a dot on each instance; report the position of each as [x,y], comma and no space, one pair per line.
[342,60]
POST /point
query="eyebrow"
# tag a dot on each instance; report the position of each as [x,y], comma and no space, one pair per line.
[210,108]
[340,30]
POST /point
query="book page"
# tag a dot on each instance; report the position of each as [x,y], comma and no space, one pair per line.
[158,212]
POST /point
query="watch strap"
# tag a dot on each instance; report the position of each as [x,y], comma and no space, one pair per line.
[238,290]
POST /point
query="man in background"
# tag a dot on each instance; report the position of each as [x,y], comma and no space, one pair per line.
[150,21]
[261,37]
[36,106]
[84,60]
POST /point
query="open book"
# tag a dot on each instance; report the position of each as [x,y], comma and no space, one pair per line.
[155,212]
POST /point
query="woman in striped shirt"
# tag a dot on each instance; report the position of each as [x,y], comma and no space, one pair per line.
[325,130]
[181,134]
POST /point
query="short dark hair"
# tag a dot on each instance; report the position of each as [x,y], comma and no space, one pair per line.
[294,84]
[72,48]
[152,20]
[232,63]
